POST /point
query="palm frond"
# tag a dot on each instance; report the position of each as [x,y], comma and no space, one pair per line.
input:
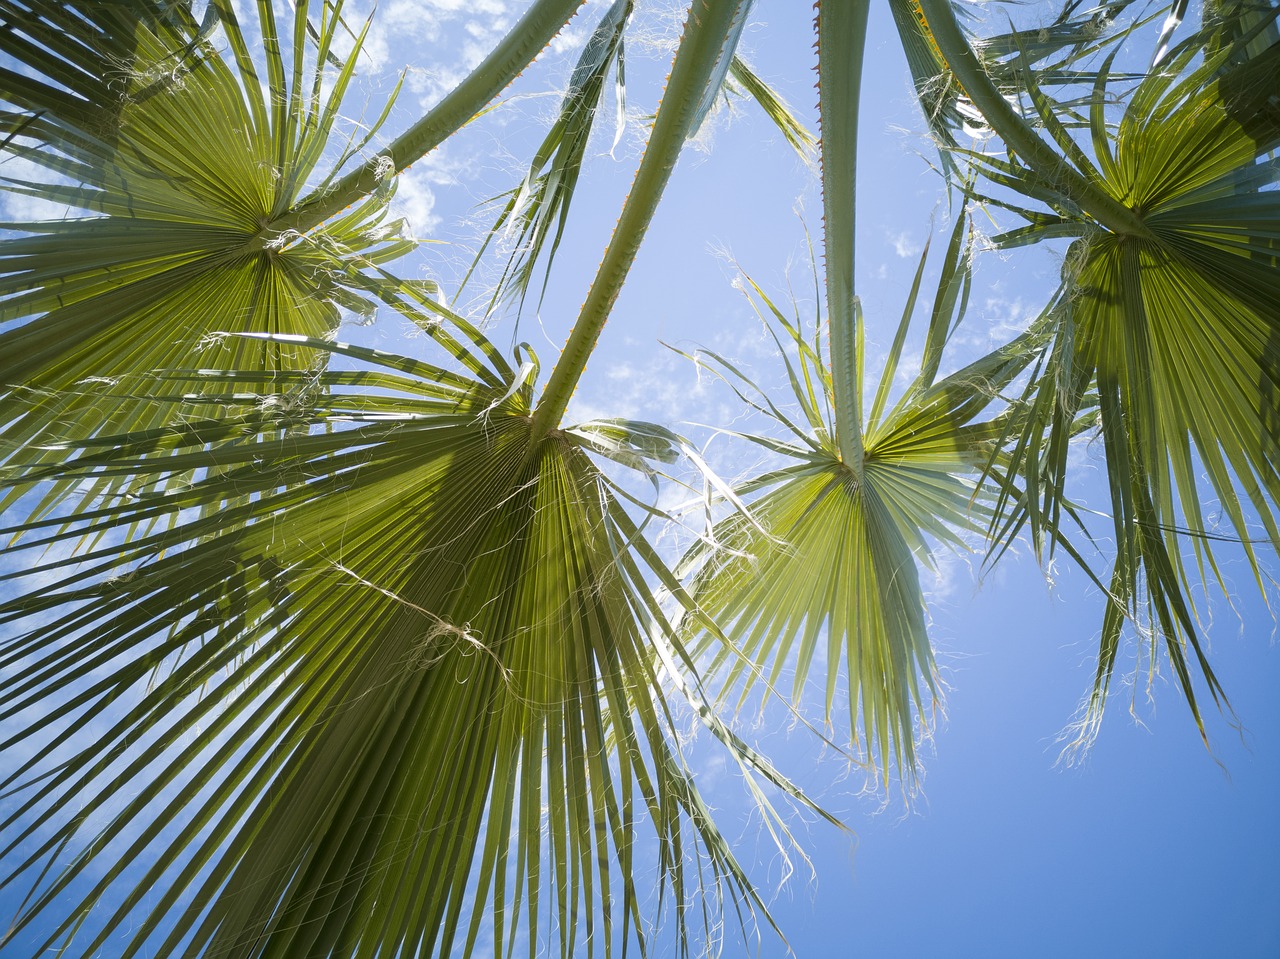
[175,177]
[723,66]
[744,81]
[538,209]
[75,58]
[823,565]
[1171,336]
[379,679]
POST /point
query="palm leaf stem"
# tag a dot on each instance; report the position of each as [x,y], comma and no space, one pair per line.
[1017,133]
[842,32]
[701,49]
[505,62]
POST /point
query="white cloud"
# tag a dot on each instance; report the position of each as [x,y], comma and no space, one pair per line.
[415,201]
[903,245]
[493,8]
[568,39]
[457,34]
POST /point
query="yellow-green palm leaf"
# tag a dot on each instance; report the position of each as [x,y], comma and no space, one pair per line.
[397,693]
[823,565]
[176,178]
[203,161]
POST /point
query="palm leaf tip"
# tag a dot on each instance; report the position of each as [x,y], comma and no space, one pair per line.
[745,81]
[535,212]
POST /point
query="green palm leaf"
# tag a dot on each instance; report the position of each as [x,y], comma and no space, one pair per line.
[743,81]
[541,202]
[389,666]
[210,178]
[1174,327]
[198,155]
[824,562]
[375,628]
[77,58]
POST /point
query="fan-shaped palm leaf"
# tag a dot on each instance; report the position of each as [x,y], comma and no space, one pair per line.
[199,160]
[824,564]
[398,693]
[198,155]
[1174,323]
[417,616]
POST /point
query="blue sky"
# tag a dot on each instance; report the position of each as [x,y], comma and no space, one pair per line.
[1150,845]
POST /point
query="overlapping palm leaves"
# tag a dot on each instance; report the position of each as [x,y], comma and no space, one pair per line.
[413,626]
[824,565]
[378,624]
[1168,335]
[198,160]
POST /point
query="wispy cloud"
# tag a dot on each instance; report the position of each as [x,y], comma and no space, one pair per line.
[415,201]
[903,245]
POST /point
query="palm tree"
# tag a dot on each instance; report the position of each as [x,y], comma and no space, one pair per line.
[392,656]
